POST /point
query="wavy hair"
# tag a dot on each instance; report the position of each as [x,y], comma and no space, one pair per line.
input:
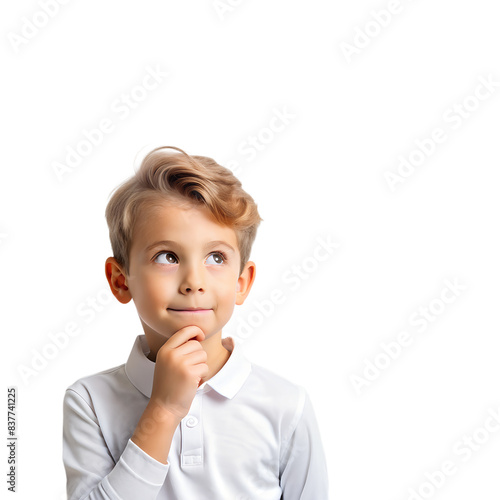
[175,177]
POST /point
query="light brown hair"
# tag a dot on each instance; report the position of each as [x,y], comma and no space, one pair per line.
[175,177]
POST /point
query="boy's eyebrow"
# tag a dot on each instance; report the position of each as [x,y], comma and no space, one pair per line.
[170,242]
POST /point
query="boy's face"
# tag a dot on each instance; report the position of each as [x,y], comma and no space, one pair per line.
[181,259]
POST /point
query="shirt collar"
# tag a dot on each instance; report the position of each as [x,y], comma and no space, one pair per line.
[227,381]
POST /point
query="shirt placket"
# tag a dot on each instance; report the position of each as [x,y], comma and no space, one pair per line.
[192,435]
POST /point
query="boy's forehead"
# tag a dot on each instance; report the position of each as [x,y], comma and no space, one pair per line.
[164,211]
[165,219]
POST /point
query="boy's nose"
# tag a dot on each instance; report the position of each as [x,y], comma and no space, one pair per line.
[188,289]
[192,282]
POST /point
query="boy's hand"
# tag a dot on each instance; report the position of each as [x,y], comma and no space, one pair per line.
[180,366]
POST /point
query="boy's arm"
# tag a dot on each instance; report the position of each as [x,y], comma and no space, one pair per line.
[155,431]
[142,468]
[90,469]
[303,472]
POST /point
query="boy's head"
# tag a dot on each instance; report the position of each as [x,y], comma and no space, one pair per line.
[164,176]
[202,225]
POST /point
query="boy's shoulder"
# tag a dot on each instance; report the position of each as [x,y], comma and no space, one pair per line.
[105,381]
[263,382]
[276,398]
[273,381]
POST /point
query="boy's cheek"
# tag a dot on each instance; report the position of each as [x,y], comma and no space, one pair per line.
[150,288]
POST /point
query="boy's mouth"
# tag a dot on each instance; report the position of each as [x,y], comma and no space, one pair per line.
[194,310]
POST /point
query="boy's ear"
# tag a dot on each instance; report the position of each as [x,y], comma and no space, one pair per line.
[245,282]
[116,279]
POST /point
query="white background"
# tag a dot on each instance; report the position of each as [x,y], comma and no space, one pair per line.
[323,175]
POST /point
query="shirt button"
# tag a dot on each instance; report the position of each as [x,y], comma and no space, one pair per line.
[191,421]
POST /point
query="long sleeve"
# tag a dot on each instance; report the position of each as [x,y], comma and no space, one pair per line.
[303,472]
[91,471]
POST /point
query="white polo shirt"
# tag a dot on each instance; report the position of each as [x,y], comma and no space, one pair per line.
[249,434]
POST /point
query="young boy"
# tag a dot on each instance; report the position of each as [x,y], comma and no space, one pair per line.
[187,416]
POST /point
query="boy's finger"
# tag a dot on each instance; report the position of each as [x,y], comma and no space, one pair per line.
[184,334]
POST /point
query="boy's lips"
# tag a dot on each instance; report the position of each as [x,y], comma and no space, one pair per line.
[190,310]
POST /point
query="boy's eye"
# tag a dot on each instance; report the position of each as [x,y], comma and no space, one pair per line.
[217,258]
[169,258]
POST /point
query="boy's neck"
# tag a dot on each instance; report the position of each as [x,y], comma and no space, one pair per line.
[215,360]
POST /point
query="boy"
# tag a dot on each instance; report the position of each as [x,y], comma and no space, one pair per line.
[187,416]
